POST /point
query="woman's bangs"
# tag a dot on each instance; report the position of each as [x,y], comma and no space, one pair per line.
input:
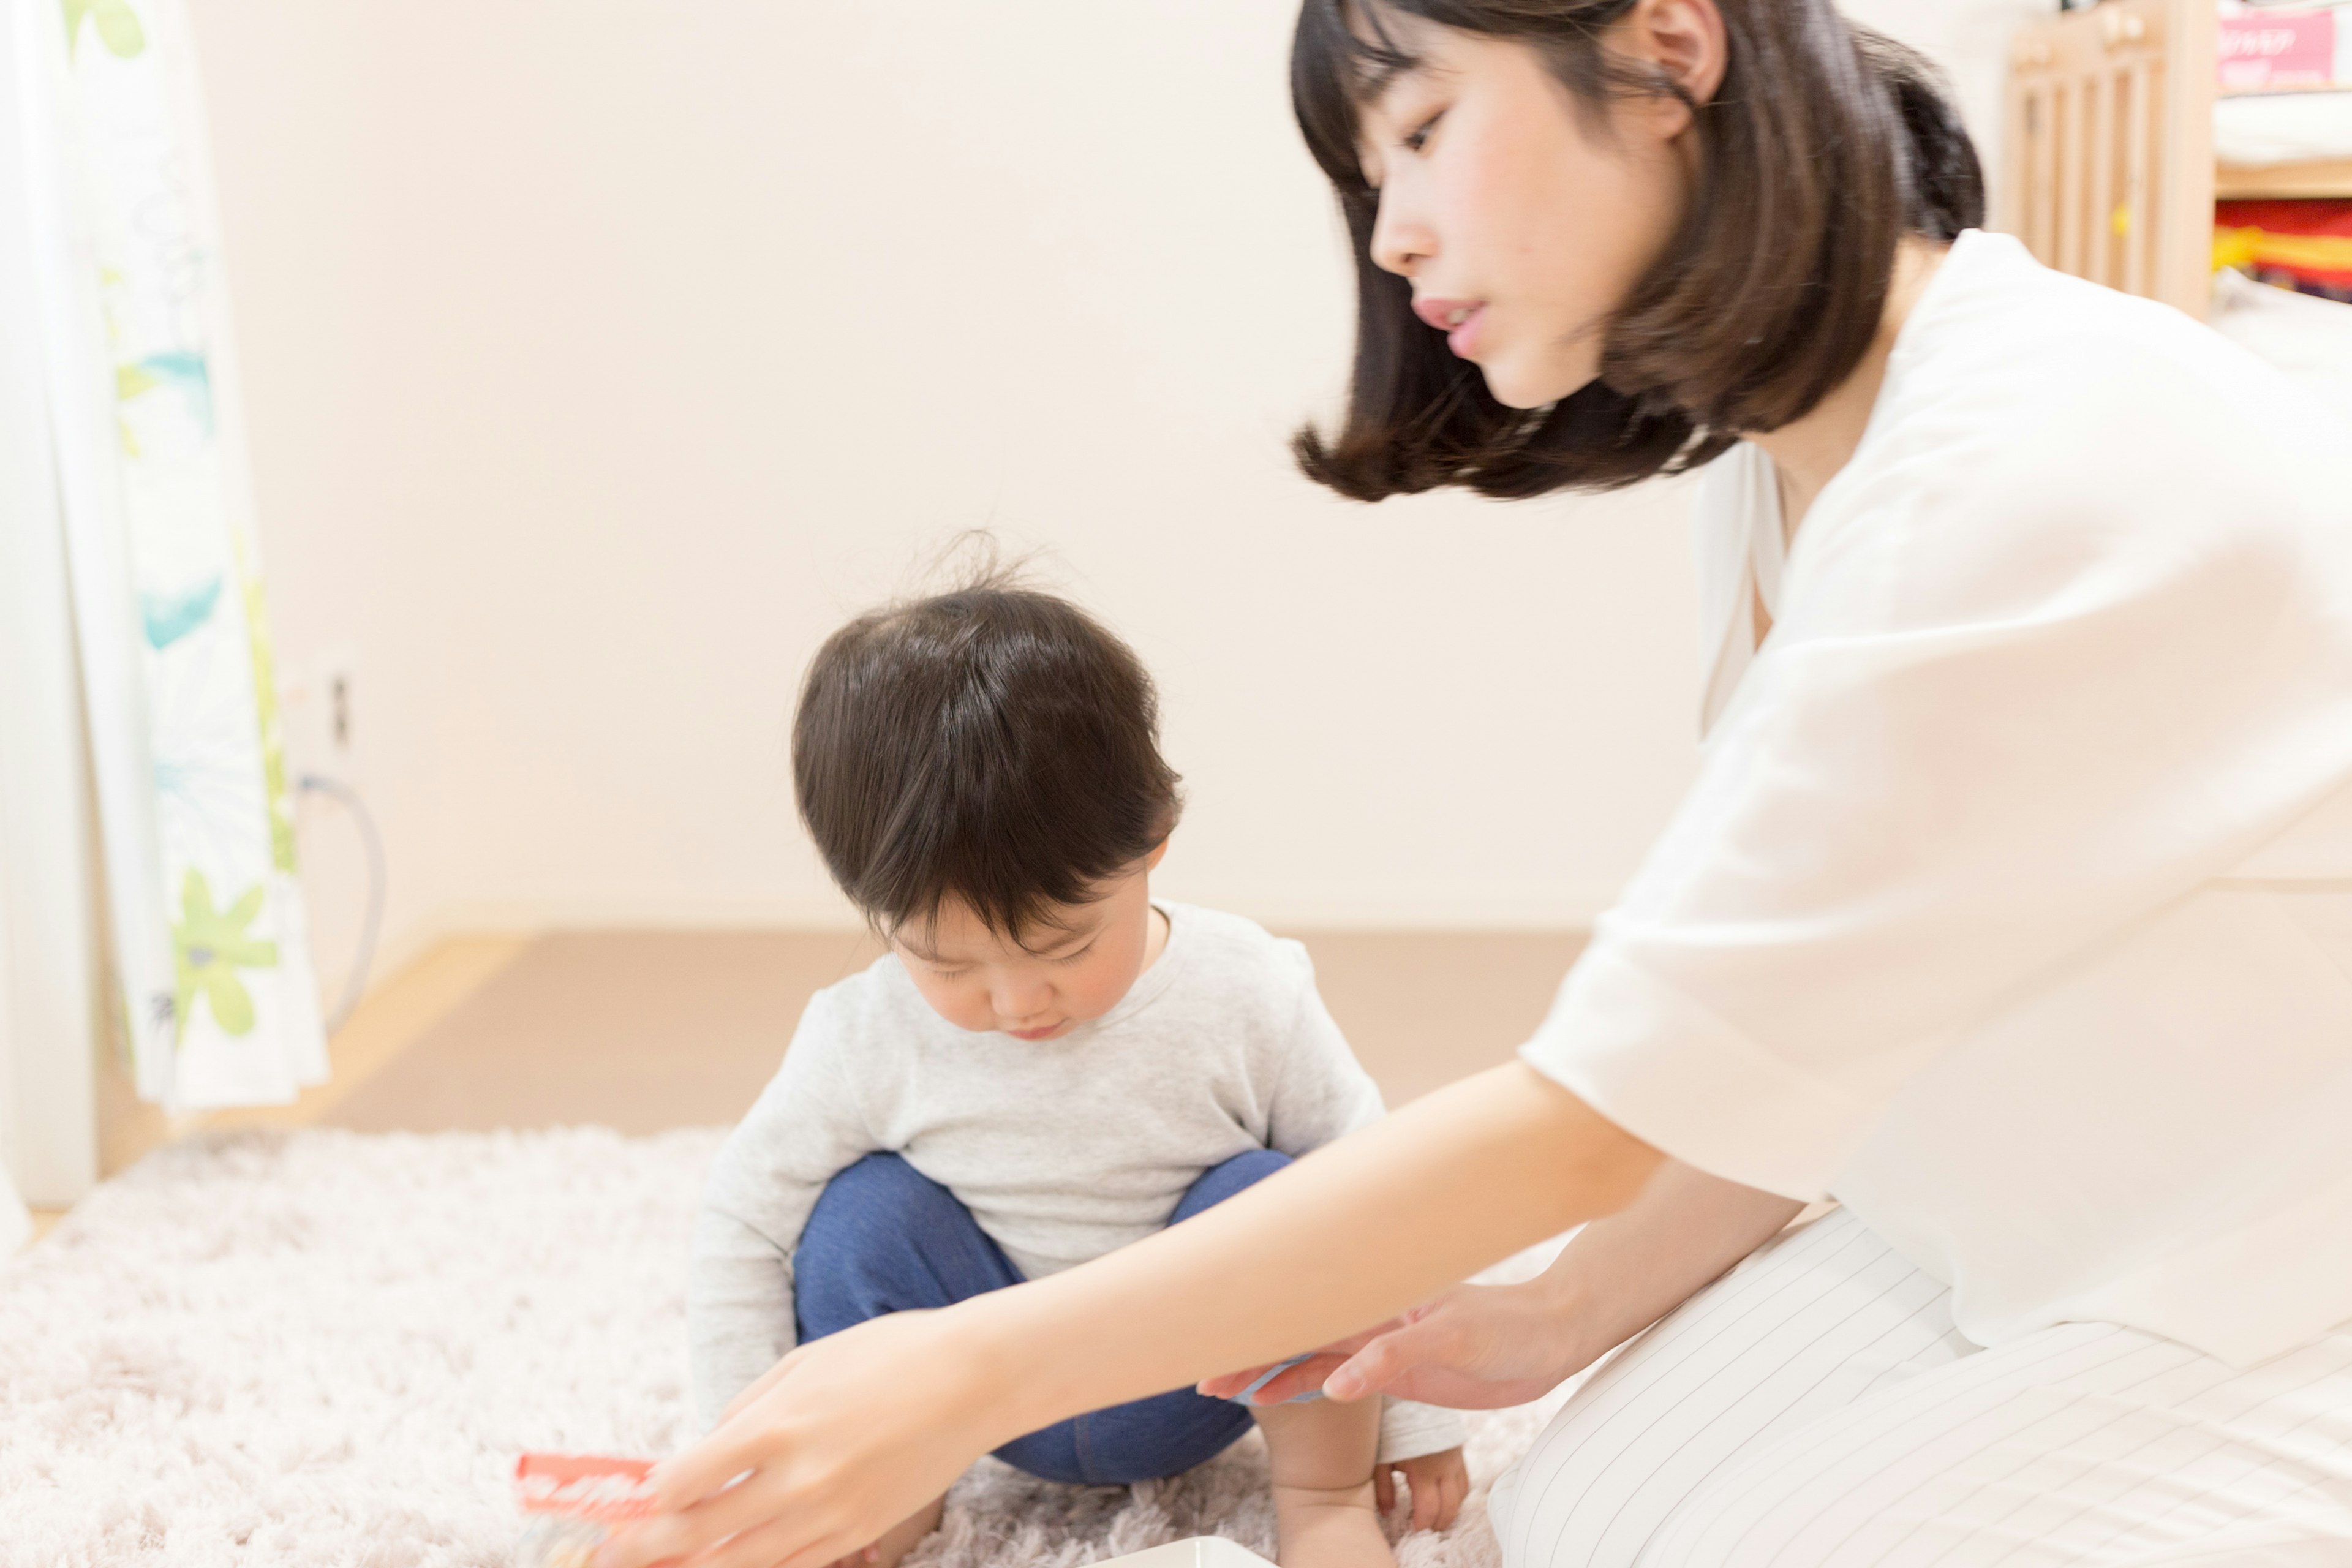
[1342,54]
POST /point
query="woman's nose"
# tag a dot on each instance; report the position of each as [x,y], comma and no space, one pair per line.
[1400,243]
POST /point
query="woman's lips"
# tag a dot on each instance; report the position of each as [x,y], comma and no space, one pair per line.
[1462,339]
[1457,319]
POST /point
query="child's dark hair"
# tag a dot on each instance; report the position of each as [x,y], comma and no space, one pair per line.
[995,745]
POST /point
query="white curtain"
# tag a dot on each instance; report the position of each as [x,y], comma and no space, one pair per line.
[211,965]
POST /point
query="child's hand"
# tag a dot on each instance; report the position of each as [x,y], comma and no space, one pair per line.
[1438,1483]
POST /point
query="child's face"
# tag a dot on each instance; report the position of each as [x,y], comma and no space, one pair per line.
[1076,971]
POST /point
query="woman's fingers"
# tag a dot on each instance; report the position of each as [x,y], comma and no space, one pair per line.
[1309,1373]
[1226,1384]
[685,1480]
[703,1517]
[680,1535]
[773,1545]
[1383,1489]
[1386,1359]
[758,1386]
[1305,1377]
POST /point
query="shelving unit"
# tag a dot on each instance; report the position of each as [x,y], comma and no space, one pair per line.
[2328,180]
[2108,172]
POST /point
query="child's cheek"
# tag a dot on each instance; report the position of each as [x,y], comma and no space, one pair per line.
[1106,985]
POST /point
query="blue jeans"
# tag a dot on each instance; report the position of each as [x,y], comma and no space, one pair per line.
[886,1238]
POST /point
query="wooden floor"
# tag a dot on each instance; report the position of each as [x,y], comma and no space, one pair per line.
[646,1030]
[643,1030]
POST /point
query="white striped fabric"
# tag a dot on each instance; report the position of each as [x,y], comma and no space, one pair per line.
[1815,1408]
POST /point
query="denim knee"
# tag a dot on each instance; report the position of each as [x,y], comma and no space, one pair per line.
[884,1238]
[1221,1181]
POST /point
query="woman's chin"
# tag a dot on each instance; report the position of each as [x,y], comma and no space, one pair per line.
[1517,385]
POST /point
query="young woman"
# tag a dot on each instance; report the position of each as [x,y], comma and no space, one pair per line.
[2012,906]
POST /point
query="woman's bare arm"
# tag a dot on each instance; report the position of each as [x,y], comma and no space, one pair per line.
[1481,1346]
[850,1433]
[1627,1270]
[1370,1223]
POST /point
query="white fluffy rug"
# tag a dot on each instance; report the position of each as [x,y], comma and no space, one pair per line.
[326,1349]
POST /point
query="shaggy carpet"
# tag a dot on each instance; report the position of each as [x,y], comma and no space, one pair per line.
[327,1348]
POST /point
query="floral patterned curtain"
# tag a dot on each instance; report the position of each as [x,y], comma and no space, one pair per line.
[209,949]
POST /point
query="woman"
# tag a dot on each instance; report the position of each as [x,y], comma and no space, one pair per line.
[2009,907]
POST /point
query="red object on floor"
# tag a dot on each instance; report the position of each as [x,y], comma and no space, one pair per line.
[584,1485]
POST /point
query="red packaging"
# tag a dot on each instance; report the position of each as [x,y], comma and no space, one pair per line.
[574,1500]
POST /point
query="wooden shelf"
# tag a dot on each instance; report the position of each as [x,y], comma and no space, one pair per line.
[2244,182]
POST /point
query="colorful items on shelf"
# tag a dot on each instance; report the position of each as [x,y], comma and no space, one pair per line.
[2269,49]
[2305,246]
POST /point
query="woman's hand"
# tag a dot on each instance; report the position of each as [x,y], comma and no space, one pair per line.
[1477,1347]
[852,1432]
[842,1439]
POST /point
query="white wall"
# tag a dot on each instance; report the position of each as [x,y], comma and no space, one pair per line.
[601,356]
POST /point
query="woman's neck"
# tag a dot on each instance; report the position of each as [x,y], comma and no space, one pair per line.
[1807,453]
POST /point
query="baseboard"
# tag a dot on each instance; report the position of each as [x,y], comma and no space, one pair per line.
[1574,910]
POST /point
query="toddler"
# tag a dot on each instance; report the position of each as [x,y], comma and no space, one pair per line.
[1047,1065]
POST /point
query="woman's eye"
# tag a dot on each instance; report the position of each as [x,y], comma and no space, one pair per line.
[1418,137]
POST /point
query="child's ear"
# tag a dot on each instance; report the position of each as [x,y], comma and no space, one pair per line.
[1159,851]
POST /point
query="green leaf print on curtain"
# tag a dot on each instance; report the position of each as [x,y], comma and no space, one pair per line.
[194,808]
[211,947]
[117,23]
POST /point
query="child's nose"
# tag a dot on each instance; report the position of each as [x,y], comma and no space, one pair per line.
[1021,996]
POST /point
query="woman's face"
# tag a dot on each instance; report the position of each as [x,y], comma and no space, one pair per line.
[1522,218]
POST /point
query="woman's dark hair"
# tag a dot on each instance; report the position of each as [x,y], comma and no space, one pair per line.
[1823,146]
[993,745]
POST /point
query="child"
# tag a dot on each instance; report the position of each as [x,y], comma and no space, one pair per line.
[1046,1065]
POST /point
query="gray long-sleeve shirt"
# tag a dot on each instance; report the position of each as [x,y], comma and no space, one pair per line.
[1062,1150]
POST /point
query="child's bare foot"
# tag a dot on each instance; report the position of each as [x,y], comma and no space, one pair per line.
[1329,1529]
[900,1539]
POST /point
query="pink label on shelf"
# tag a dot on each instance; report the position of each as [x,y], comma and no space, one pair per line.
[2262,52]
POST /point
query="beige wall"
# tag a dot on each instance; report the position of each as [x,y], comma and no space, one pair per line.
[599,356]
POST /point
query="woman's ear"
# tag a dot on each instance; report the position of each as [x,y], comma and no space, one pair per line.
[1682,39]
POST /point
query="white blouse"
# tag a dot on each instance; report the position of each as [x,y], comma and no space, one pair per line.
[2012,905]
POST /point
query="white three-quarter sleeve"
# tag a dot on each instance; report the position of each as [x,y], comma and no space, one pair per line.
[2015,701]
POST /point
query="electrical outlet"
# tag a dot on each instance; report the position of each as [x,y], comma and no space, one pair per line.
[319,707]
